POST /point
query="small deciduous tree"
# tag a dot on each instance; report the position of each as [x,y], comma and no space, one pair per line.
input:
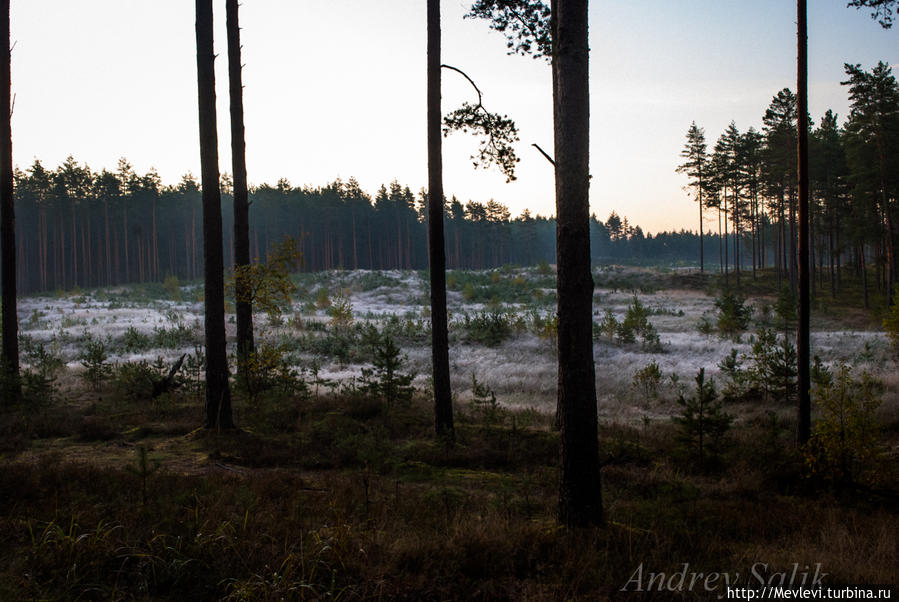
[267,285]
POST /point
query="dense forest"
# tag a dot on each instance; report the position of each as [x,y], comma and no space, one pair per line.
[77,227]
[749,182]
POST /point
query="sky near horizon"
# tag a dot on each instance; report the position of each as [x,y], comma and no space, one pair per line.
[337,89]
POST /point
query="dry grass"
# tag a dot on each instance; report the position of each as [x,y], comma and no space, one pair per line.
[351,501]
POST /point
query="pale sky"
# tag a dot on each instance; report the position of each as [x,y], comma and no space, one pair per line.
[336,88]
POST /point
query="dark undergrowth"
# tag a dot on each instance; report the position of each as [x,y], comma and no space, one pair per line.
[341,498]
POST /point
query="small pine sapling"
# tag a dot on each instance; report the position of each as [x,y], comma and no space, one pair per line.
[703,421]
[732,369]
[95,361]
[733,314]
[844,447]
[483,402]
[385,380]
[143,468]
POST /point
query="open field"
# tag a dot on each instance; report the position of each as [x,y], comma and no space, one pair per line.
[508,349]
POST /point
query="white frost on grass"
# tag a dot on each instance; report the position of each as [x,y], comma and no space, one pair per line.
[521,370]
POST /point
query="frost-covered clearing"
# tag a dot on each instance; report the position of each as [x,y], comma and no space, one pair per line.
[143,324]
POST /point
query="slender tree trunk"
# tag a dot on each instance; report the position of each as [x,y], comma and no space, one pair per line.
[720,243]
[833,278]
[802,336]
[443,403]
[580,494]
[243,305]
[10,350]
[864,268]
[218,393]
[154,243]
[125,235]
[726,245]
[794,254]
[701,245]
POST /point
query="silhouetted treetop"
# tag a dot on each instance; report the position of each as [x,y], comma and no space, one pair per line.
[525,23]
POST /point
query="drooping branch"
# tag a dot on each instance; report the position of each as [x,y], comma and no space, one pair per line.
[470,81]
[498,131]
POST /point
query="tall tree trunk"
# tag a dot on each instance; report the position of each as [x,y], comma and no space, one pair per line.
[10,351]
[443,403]
[218,393]
[701,248]
[802,335]
[580,494]
[125,235]
[243,305]
[726,245]
[864,269]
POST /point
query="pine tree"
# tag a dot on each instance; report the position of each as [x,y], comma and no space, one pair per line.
[9,357]
[443,403]
[243,307]
[218,393]
[580,498]
[694,166]
[802,334]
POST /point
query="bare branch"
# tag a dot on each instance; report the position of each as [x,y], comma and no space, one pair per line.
[470,81]
[543,152]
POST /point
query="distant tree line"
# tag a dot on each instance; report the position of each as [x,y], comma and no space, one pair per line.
[78,227]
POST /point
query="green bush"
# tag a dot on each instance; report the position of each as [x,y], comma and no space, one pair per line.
[134,341]
[844,446]
[733,314]
[385,381]
[172,287]
[647,380]
[134,380]
[38,377]
[267,370]
[737,377]
[636,323]
[488,328]
[95,361]
[774,366]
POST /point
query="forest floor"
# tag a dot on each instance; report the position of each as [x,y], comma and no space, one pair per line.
[326,491]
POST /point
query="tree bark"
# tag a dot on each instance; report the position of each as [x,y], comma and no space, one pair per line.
[802,336]
[218,393]
[10,350]
[443,403]
[580,495]
[243,306]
